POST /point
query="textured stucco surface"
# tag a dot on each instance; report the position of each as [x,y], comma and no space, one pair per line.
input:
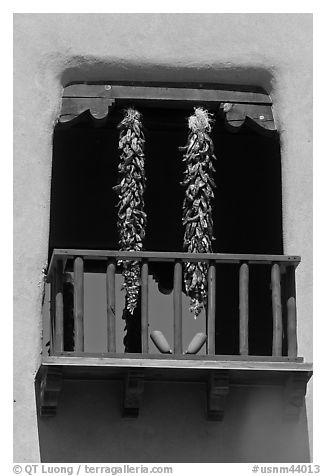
[271,50]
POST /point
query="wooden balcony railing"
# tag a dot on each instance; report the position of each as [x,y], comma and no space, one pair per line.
[282,270]
[219,372]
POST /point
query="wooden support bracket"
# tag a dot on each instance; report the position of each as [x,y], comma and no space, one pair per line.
[132,395]
[294,395]
[73,107]
[49,391]
[217,390]
[258,116]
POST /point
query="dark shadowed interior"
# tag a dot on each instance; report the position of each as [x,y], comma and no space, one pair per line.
[247,205]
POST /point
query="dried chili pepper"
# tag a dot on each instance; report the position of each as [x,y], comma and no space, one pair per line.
[197,208]
[131,215]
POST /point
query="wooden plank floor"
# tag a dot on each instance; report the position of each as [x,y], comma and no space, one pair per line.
[252,372]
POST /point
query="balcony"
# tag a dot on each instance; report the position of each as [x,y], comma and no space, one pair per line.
[283,367]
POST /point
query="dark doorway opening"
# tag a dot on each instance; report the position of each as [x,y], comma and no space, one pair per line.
[247,205]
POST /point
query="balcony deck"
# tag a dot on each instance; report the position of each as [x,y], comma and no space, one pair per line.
[253,370]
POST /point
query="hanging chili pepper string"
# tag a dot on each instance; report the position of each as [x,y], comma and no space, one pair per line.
[197,207]
[131,215]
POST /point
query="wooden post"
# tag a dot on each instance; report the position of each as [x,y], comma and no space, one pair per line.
[211,309]
[177,307]
[79,303]
[291,312]
[243,309]
[277,310]
[144,307]
[52,315]
[110,305]
[58,341]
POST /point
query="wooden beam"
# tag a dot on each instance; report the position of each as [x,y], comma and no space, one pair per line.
[161,93]
[144,307]
[98,99]
[156,256]
[58,342]
[243,309]
[79,303]
[133,392]
[110,305]
[218,386]
[211,309]
[277,310]
[177,307]
[130,359]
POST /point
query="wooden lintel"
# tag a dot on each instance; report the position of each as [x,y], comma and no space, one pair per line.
[132,395]
[118,91]
[98,98]
[218,386]
[294,395]
[49,391]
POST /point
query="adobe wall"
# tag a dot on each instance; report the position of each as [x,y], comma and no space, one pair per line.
[271,50]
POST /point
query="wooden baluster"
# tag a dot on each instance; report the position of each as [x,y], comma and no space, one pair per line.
[243,309]
[52,315]
[144,307]
[211,309]
[291,312]
[110,305]
[58,341]
[277,310]
[177,306]
[79,304]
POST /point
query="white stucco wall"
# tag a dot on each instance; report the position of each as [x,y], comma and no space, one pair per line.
[271,50]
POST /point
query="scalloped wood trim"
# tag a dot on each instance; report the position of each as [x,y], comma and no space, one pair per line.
[238,106]
[258,117]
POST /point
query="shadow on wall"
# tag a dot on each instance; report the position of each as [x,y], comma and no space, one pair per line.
[92,69]
[171,427]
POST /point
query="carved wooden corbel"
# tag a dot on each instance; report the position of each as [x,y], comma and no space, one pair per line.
[133,392]
[258,116]
[72,108]
[217,390]
[49,391]
[294,395]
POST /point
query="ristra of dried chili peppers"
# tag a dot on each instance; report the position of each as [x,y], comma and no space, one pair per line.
[197,206]
[131,214]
